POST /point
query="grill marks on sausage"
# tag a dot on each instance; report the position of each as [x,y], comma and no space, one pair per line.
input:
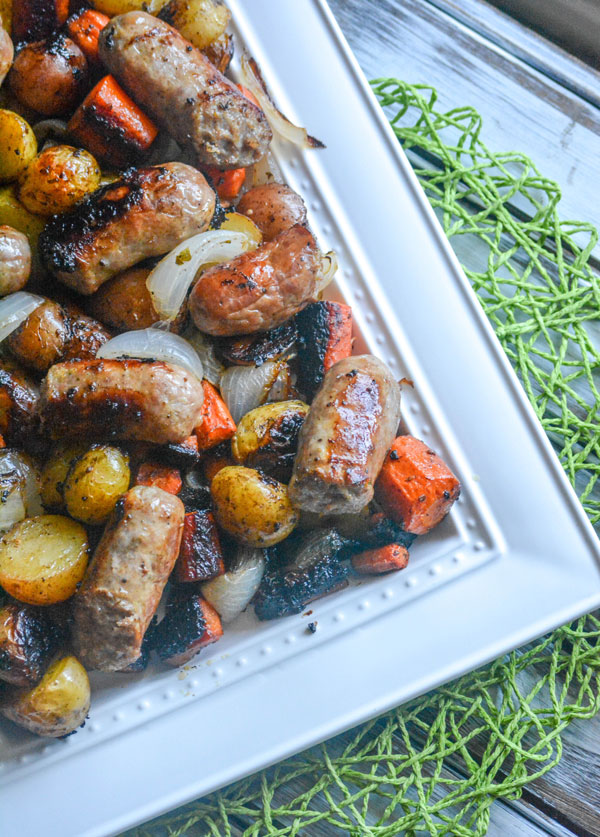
[359,410]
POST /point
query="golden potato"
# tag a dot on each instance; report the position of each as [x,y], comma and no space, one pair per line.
[13,214]
[95,482]
[40,340]
[200,21]
[15,260]
[253,508]
[6,15]
[220,52]
[54,472]
[18,146]
[267,437]
[57,705]
[119,7]
[43,559]
[57,179]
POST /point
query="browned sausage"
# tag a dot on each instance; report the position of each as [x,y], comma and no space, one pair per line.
[6,53]
[121,399]
[274,208]
[15,260]
[146,213]
[125,579]
[343,442]
[259,290]
[19,398]
[184,92]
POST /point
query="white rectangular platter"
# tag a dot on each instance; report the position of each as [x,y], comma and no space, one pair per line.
[515,558]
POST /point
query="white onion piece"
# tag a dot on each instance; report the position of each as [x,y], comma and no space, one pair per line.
[230,593]
[329,266]
[252,78]
[245,387]
[19,488]
[152,343]
[265,171]
[283,385]
[213,368]
[170,280]
[14,309]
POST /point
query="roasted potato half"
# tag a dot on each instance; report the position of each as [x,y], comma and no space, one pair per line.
[95,482]
[14,214]
[200,21]
[252,507]
[57,179]
[54,472]
[57,705]
[267,437]
[119,7]
[220,52]
[15,260]
[40,340]
[43,559]
[18,147]
[28,640]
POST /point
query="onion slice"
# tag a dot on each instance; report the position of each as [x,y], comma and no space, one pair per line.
[245,387]
[152,343]
[170,280]
[329,266]
[14,309]
[252,78]
[213,368]
[230,593]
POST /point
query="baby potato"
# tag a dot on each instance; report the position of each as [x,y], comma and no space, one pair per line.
[13,214]
[200,21]
[43,559]
[57,179]
[54,472]
[15,260]
[95,482]
[18,146]
[267,437]
[119,7]
[50,76]
[40,340]
[251,507]
[220,52]
[57,705]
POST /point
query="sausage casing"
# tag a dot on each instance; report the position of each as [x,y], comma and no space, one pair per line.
[124,582]
[150,401]
[349,428]
[146,213]
[259,290]
[184,92]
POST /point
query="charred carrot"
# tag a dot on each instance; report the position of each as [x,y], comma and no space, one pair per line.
[190,624]
[110,124]
[415,486]
[159,476]
[217,425]
[34,20]
[2,442]
[215,460]
[200,553]
[84,28]
[381,560]
[227,184]
[324,337]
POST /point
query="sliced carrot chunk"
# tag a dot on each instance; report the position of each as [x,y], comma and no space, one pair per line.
[217,425]
[159,476]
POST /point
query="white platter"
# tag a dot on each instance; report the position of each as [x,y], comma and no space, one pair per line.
[516,557]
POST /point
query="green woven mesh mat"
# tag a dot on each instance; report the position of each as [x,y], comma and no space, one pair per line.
[436,765]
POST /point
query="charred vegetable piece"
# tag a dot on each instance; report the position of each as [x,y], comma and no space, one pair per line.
[220,52]
[160,476]
[255,349]
[18,401]
[226,183]
[381,560]
[324,337]
[217,425]
[84,27]
[195,495]
[215,460]
[184,455]
[28,640]
[200,553]
[34,19]
[267,438]
[189,625]
[111,125]
[311,569]
[415,486]
[380,530]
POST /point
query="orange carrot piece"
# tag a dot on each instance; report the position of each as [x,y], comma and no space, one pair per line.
[213,629]
[227,184]
[217,425]
[215,460]
[110,124]
[159,476]
[200,553]
[340,334]
[84,28]
[382,560]
[249,95]
[2,442]
[415,486]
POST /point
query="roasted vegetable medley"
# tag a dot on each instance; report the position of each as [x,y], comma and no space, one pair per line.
[182,418]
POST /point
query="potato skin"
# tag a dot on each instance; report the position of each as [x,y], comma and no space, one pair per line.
[40,340]
[18,145]
[54,472]
[274,208]
[57,705]
[200,21]
[220,52]
[15,260]
[87,335]
[95,482]
[14,214]
[6,53]
[43,559]
[57,179]
[251,507]
[50,76]
[267,437]
[119,7]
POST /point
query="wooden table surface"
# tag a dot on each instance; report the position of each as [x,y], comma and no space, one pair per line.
[537,99]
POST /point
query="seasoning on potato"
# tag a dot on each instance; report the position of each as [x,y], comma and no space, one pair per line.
[119,7]
[40,339]
[95,482]
[57,705]
[200,21]
[14,214]
[57,179]
[267,437]
[18,146]
[54,472]
[43,559]
[252,507]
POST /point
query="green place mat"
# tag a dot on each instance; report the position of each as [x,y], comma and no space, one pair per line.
[437,764]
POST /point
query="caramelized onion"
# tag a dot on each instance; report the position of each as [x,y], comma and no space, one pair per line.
[154,344]
[14,309]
